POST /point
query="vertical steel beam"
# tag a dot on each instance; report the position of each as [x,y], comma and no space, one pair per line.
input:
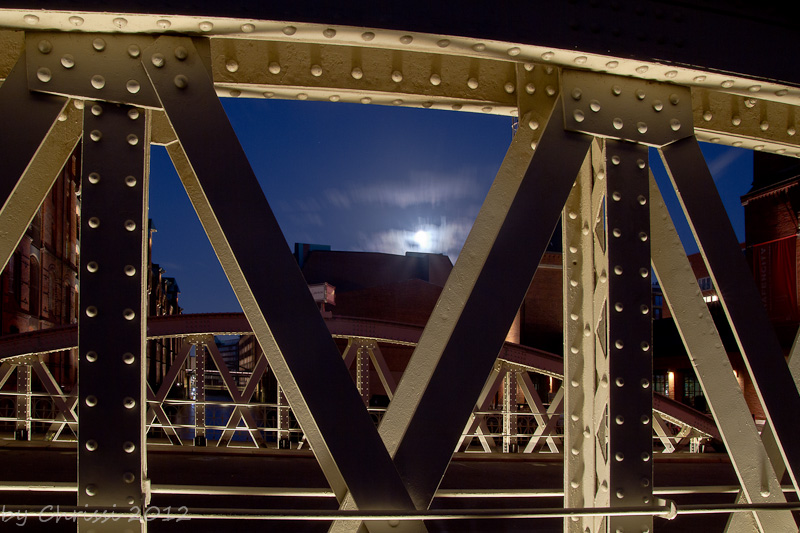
[362,372]
[510,411]
[710,362]
[200,394]
[629,333]
[269,284]
[282,438]
[737,292]
[579,349]
[112,457]
[22,430]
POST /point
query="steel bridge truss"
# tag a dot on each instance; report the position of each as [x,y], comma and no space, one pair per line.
[580,151]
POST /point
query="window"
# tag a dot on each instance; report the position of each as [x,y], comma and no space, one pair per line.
[35,290]
[661,384]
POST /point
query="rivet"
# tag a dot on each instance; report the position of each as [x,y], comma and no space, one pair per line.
[574,349]
[671,73]
[715,139]
[98,81]
[509,87]
[357,73]
[530,88]
[547,56]
[601,175]
[91,445]
[44,75]
[615,160]
[619,344]
[131,500]
[604,380]
[128,477]
[587,432]
[578,115]
[99,44]
[91,311]
[129,447]
[754,88]
[129,403]
[758,147]
[575,451]
[367,36]
[781,92]
[616,232]
[764,126]
[550,90]
[94,222]
[289,30]
[181,53]
[642,69]
[576,93]
[128,358]
[619,456]
[130,225]
[94,178]
[645,456]
[334,98]
[92,266]
[707,116]
[699,79]
[573,316]
[91,356]
[62,117]
[316,71]
[472,83]
[727,84]
[644,272]
[616,90]
[406,39]
[45,46]
[130,181]
[120,22]
[574,417]
[640,95]
[91,490]
[750,103]
[603,277]
[181,81]
[248,28]
[366,100]
[231,65]
[617,123]
[641,163]
[587,330]
[158,60]
[581,60]
[302,96]
[132,139]
[643,236]
[658,106]
[443,43]
[329,33]
[604,485]
[130,270]
[645,482]
[206,26]
[642,200]
[91,400]
[780,151]
[675,124]
[620,381]
[620,419]
[31,19]
[67,61]
[612,64]
[594,105]
[534,145]
[573,249]
[644,309]
[163,24]
[435,79]
[573,282]
[96,135]
[75,20]
[574,484]
[397,76]
[641,127]
[645,384]
[673,99]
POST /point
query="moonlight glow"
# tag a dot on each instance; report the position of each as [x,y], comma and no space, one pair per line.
[423,239]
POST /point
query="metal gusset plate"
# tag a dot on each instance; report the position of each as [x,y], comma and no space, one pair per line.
[713,370]
[111,454]
[737,292]
[34,145]
[269,284]
[629,346]
[95,66]
[640,111]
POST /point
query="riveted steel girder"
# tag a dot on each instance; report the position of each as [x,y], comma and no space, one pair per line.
[713,370]
[111,456]
[731,275]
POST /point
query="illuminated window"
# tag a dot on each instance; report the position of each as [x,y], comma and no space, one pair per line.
[661,384]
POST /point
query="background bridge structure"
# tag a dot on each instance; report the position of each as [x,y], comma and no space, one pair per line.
[592,85]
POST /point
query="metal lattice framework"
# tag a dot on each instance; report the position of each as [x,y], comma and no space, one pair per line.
[587,109]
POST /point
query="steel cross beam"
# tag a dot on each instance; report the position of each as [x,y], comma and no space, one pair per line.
[276,301]
[726,264]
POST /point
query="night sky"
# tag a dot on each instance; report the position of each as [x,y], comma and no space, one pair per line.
[363,178]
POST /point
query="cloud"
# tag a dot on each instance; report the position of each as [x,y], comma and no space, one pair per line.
[446,238]
[720,164]
[421,188]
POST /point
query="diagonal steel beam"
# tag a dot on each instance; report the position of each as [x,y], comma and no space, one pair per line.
[270,286]
[35,142]
[710,362]
[737,291]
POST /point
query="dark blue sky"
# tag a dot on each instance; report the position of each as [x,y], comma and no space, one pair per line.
[360,177]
